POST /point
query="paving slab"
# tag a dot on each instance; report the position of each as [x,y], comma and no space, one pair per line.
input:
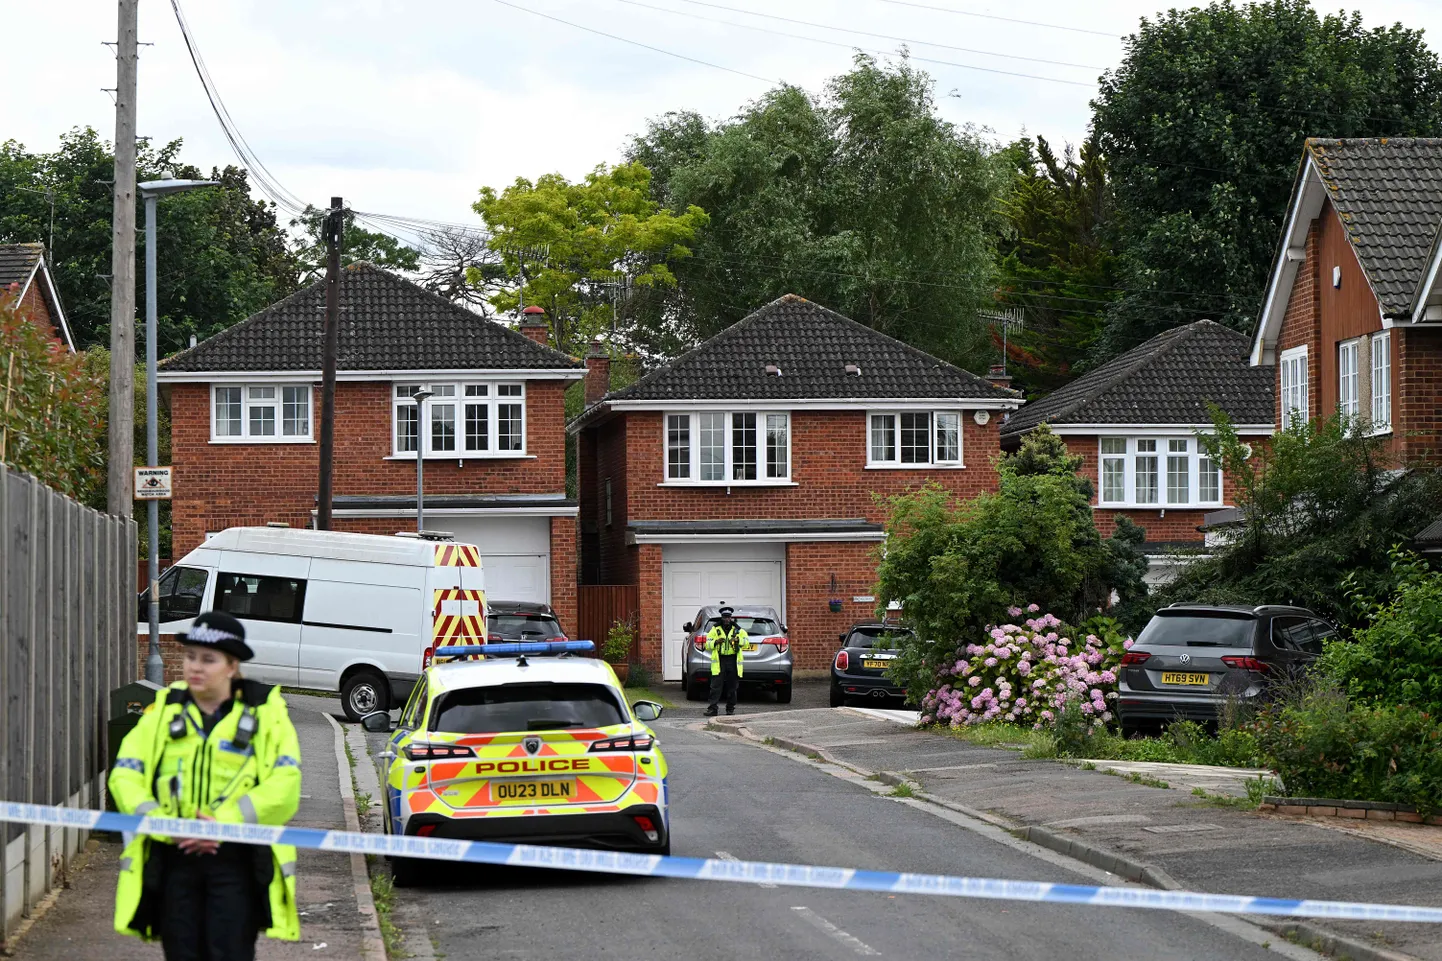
[1202,844]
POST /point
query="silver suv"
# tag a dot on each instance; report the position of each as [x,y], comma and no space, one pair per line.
[767,667]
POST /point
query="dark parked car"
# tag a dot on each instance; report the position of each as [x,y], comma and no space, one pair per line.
[859,668]
[522,621]
[1191,658]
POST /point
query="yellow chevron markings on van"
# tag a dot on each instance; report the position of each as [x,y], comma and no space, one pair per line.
[458,555]
[458,617]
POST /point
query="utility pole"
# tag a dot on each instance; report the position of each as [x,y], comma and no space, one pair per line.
[334,225]
[119,493]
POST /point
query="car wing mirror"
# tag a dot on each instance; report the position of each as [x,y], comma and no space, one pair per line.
[688,627]
[647,710]
[377,722]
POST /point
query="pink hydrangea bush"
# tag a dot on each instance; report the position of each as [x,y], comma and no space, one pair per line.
[1027,673]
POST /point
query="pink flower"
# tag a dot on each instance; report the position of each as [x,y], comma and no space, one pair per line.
[990,662]
[974,680]
[1013,611]
[1128,643]
[1033,608]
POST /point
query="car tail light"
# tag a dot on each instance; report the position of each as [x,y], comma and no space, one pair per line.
[425,830]
[1246,663]
[648,826]
[494,639]
[558,637]
[700,641]
[782,643]
[430,652]
[626,742]
[436,752]
[843,660]
[1133,658]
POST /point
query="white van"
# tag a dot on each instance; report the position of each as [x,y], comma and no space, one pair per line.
[354,613]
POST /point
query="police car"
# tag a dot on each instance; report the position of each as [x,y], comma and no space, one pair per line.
[523,743]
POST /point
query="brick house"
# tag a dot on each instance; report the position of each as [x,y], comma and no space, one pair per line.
[24,268]
[749,470]
[245,406]
[1135,421]
[1352,319]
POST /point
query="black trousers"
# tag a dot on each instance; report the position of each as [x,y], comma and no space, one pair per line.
[208,905]
[725,683]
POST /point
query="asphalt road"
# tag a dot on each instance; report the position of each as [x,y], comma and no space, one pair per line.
[730,799]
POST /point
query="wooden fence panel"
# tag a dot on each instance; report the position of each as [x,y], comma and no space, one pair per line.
[598,606]
[67,638]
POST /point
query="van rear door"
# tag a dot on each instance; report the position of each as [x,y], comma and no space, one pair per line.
[458,596]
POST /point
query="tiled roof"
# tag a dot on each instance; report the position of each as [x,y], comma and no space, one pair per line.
[1170,379]
[17,262]
[387,323]
[1388,192]
[811,346]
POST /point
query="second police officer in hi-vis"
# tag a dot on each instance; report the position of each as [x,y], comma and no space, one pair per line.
[726,642]
[220,748]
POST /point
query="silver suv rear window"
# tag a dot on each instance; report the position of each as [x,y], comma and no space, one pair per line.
[1198,630]
[753,626]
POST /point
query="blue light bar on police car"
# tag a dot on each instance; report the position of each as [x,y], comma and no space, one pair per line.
[527,649]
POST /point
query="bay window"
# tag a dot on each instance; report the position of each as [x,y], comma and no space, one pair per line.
[462,420]
[1131,473]
[914,439]
[260,413]
[728,447]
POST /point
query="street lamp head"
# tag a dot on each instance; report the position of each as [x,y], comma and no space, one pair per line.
[423,394]
[169,185]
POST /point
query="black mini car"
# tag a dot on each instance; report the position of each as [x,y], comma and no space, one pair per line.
[859,668]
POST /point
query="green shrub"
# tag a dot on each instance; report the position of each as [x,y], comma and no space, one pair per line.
[1325,745]
[1397,657]
[617,648]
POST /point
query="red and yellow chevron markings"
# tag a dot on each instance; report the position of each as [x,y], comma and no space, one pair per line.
[458,555]
[458,617]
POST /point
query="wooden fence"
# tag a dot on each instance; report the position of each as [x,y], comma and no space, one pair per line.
[598,606]
[67,638]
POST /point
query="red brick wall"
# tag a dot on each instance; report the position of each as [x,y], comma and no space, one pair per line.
[1417,393]
[34,306]
[647,561]
[171,654]
[228,485]
[809,569]
[564,558]
[1301,324]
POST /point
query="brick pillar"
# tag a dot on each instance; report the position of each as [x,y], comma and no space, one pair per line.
[534,326]
[598,373]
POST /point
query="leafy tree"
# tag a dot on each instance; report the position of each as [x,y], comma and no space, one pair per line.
[862,199]
[52,409]
[222,255]
[357,245]
[1322,506]
[1055,258]
[594,233]
[956,570]
[1202,126]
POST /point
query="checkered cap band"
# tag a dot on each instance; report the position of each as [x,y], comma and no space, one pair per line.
[205,634]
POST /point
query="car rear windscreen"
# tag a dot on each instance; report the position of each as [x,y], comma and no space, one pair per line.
[754,626]
[1197,630]
[524,625]
[526,707]
[867,636]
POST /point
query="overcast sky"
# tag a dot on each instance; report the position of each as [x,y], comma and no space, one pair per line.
[410,107]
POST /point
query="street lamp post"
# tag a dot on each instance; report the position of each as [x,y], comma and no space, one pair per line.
[421,396]
[151,191]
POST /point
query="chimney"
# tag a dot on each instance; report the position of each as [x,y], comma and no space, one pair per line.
[534,326]
[998,377]
[598,373]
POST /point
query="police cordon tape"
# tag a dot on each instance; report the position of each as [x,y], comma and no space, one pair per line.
[709,869]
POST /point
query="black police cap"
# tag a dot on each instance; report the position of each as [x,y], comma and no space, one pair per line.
[219,631]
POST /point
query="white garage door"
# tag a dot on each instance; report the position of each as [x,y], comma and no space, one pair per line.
[694,576]
[515,552]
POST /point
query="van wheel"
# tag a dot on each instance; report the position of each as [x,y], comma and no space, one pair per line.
[364,692]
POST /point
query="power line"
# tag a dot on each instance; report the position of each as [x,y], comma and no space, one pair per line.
[636,43]
[863,33]
[849,46]
[989,16]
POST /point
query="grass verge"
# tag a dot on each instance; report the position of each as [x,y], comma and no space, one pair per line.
[634,694]
[383,893]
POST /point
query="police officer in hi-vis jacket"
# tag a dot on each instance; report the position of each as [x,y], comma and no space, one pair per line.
[726,642]
[219,748]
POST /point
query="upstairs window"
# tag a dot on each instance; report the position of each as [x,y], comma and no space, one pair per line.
[728,447]
[261,413]
[914,439]
[1382,382]
[1292,374]
[462,420]
[1348,400]
[1132,473]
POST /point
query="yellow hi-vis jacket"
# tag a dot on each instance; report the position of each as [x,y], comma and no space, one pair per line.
[156,773]
[719,642]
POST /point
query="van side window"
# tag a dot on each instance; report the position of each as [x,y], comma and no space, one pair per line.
[257,598]
[181,591]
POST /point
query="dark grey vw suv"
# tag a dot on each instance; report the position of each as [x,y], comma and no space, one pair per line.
[1190,658]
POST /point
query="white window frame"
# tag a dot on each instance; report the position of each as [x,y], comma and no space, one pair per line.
[1349,378]
[1293,389]
[691,463]
[1162,452]
[277,406]
[933,427]
[456,401]
[1381,392]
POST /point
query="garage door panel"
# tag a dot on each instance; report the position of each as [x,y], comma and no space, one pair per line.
[515,553]
[695,583]
[511,577]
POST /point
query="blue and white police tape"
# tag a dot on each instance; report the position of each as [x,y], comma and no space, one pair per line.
[710,869]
